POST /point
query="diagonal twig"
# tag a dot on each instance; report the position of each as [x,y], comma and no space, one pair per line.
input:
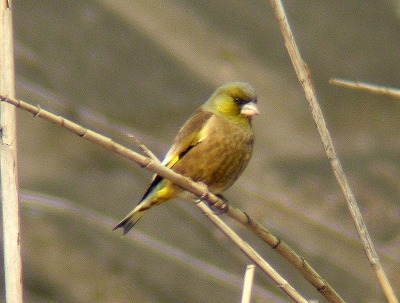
[377,89]
[144,148]
[304,77]
[251,253]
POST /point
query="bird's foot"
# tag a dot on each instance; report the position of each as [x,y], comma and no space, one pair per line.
[221,206]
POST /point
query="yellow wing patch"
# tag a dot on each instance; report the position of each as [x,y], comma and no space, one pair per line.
[179,149]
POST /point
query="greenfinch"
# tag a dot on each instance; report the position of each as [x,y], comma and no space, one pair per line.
[213,147]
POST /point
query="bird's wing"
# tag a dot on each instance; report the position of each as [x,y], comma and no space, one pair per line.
[191,134]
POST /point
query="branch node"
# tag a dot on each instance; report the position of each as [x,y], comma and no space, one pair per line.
[277,244]
[248,218]
[222,204]
[39,108]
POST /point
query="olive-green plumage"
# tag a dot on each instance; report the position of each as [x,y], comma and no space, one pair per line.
[213,147]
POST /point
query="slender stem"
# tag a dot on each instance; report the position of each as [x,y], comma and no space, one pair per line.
[251,253]
[304,76]
[377,89]
[9,182]
[248,283]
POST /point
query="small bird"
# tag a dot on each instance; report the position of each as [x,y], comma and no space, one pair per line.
[213,147]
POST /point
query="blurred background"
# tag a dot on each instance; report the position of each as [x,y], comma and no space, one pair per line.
[142,67]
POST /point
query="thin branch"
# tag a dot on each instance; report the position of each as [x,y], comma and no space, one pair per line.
[304,77]
[377,89]
[277,244]
[198,189]
[298,262]
[144,148]
[251,253]
[248,283]
[8,165]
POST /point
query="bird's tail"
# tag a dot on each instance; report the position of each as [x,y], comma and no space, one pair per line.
[158,192]
[131,219]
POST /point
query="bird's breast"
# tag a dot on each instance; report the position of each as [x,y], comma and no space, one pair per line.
[220,158]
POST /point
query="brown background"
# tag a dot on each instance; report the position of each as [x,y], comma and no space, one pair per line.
[142,67]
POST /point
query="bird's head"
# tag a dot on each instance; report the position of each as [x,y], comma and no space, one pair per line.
[235,100]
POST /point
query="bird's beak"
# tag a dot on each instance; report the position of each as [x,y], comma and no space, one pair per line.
[249,109]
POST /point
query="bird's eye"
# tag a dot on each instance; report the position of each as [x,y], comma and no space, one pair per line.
[239,100]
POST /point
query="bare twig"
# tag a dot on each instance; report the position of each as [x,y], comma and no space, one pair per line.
[377,89]
[251,253]
[9,183]
[277,244]
[144,148]
[298,262]
[248,283]
[304,77]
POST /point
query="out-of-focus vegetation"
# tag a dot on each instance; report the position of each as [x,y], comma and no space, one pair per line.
[143,67]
